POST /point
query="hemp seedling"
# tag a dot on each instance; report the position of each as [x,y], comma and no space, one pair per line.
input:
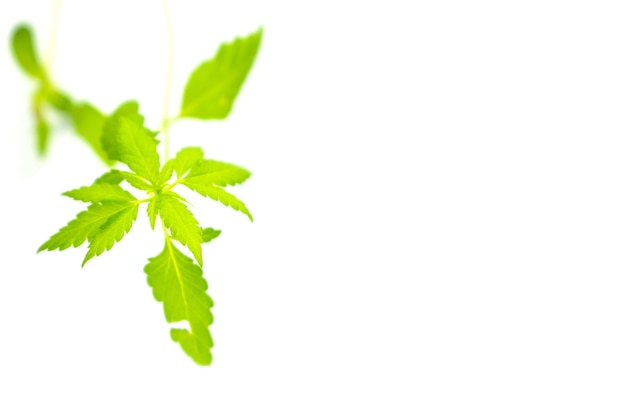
[176,278]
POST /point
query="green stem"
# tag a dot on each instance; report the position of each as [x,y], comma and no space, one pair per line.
[52,35]
[168,81]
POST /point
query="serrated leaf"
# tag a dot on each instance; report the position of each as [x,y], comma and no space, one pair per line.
[126,140]
[153,210]
[208,234]
[212,172]
[85,225]
[178,283]
[115,177]
[181,222]
[166,173]
[213,86]
[112,177]
[24,51]
[89,122]
[99,192]
[136,181]
[129,109]
[196,344]
[111,231]
[217,194]
[185,159]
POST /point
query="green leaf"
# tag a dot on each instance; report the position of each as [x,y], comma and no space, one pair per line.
[166,173]
[24,51]
[84,226]
[208,234]
[153,210]
[126,140]
[89,123]
[100,192]
[217,173]
[185,159]
[112,177]
[129,109]
[178,283]
[136,181]
[115,177]
[112,230]
[217,194]
[181,223]
[58,99]
[213,86]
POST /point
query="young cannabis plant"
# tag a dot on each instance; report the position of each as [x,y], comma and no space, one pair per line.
[176,278]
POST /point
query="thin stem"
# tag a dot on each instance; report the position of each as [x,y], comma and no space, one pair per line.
[165,124]
[52,35]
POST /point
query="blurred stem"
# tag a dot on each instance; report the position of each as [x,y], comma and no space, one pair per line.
[165,124]
[53,34]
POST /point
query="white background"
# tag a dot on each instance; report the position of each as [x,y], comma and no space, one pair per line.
[440,214]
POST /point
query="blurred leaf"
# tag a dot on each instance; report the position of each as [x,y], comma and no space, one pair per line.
[208,234]
[89,123]
[24,52]
[213,86]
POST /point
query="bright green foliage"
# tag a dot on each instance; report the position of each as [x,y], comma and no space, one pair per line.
[213,86]
[88,123]
[178,283]
[99,192]
[43,133]
[218,194]
[112,177]
[113,229]
[176,278]
[125,139]
[182,225]
[86,225]
[186,159]
[217,173]
[24,51]
[208,234]
[207,177]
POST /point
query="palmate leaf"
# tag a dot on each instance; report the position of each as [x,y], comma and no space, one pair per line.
[99,192]
[178,283]
[153,211]
[181,223]
[125,139]
[111,231]
[217,194]
[185,159]
[217,173]
[113,176]
[24,52]
[213,86]
[86,224]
